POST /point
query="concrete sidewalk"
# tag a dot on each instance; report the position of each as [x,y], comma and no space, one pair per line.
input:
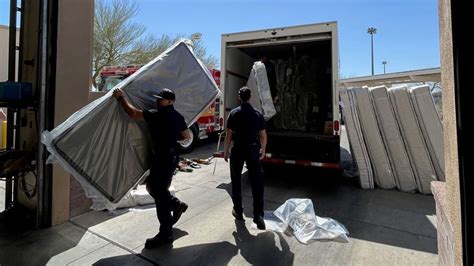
[386,227]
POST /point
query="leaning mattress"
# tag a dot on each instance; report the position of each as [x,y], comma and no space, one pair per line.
[107,151]
[412,135]
[392,139]
[383,175]
[430,125]
[356,140]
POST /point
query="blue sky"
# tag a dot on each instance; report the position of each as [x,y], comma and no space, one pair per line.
[407,30]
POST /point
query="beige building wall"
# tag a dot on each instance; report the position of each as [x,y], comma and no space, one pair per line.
[73,70]
[452,208]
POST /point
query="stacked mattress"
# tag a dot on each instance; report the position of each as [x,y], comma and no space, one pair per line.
[402,134]
[383,174]
[430,126]
[393,140]
[107,151]
[413,138]
[357,140]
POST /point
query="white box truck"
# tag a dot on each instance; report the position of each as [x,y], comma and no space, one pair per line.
[305,64]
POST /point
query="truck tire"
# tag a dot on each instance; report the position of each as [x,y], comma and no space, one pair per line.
[189,146]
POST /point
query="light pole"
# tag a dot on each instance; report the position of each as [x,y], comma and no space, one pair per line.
[196,36]
[384,63]
[372,31]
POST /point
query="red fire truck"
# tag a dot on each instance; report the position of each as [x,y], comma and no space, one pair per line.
[209,123]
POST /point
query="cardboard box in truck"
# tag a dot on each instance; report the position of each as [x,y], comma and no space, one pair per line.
[303,70]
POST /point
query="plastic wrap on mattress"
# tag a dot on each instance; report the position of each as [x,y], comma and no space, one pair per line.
[107,151]
[392,139]
[261,96]
[413,138]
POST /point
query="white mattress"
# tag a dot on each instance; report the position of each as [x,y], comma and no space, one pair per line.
[383,174]
[392,138]
[412,136]
[356,140]
[430,125]
[261,97]
[107,151]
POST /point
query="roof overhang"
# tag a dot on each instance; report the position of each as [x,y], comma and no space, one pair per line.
[421,75]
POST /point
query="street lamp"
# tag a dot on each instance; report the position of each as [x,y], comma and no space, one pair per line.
[372,31]
[196,36]
[384,63]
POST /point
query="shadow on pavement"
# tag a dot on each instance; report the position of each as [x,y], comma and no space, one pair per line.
[256,250]
[388,217]
[262,249]
[219,253]
[35,247]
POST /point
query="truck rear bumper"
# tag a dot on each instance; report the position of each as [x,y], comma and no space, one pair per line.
[304,148]
[269,159]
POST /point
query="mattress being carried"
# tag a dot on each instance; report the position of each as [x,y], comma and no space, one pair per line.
[392,139]
[414,141]
[107,151]
[261,96]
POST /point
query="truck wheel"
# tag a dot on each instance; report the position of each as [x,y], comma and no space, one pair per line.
[194,135]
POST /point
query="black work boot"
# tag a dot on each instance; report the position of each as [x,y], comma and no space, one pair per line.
[238,215]
[259,222]
[178,211]
[159,240]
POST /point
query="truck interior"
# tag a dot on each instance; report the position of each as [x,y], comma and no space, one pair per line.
[303,101]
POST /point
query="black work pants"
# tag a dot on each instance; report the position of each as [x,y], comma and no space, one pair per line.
[251,157]
[158,184]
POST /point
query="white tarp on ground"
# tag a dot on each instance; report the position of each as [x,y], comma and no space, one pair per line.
[107,151]
[356,140]
[298,214]
[430,125]
[261,96]
[392,139]
[413,138]
[383,174]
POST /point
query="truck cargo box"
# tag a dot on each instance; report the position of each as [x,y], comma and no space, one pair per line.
[302,68]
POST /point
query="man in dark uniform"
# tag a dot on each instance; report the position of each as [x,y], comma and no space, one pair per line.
[167,126]
[246,128]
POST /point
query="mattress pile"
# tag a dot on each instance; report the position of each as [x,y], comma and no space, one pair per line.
[357,140]
[398,134]
[107,151]
[392,139]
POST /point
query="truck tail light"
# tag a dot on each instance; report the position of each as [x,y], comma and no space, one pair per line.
[336,126]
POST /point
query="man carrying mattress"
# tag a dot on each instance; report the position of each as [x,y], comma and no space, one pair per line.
[167,126]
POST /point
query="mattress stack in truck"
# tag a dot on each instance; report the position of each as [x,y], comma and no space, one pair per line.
[398,134]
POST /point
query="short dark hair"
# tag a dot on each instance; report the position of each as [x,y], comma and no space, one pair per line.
[245,93]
